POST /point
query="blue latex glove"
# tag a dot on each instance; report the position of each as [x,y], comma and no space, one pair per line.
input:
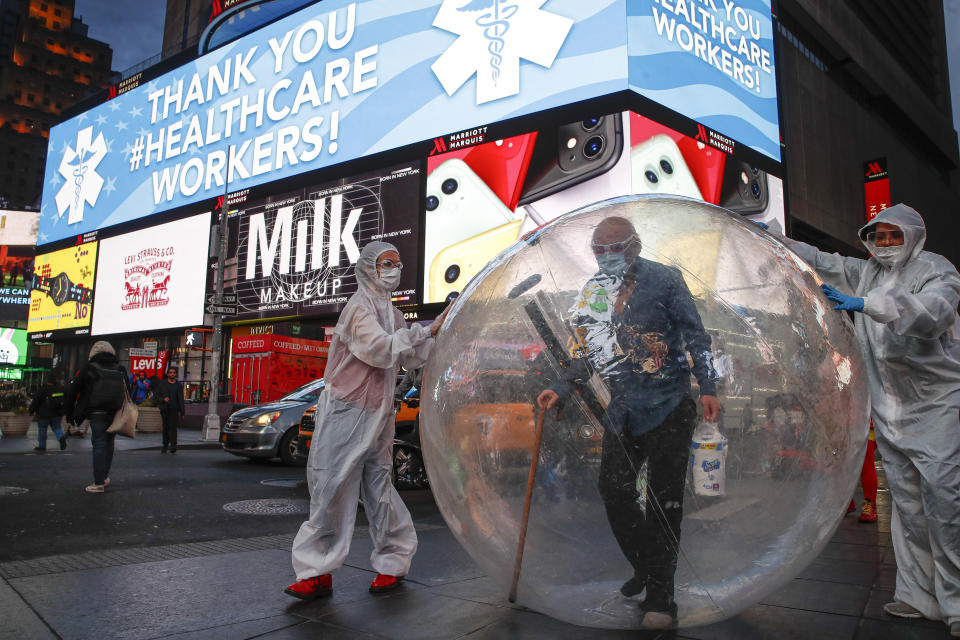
[846,303]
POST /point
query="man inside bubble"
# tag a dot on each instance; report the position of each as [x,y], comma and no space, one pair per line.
[351,453]
[636,321]
[904,301]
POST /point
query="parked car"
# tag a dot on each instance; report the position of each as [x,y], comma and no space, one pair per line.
[270,430]
[408,469]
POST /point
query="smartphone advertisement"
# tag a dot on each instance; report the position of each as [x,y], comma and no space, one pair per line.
[482,199]
[153,278]
[16,279]
[61,297]
[294,253]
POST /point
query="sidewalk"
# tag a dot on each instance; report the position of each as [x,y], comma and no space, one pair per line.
[231,588]
[186,439]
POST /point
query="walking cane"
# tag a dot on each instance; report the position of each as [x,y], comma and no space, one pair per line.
[538,439]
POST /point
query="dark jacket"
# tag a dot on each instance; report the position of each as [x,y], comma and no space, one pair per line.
[659,325]
[50,402]
[85,394]
[164,389]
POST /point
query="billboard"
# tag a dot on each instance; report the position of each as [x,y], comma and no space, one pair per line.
[293,253]
[712,62]
[16,278]
[481,199]
[61,296]
[154,278]
[13,347]
[335,81]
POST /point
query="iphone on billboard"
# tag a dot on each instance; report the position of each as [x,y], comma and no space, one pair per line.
[573,154]
[745,189]
[658,167]
[706,163]
[459,205]
[502,164]
[456,265]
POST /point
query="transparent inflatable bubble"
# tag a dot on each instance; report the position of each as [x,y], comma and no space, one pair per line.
[625,466]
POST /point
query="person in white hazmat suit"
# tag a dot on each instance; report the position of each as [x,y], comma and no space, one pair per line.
[351,452]
[907,325]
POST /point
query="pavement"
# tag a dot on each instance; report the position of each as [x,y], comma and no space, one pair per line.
[225,582]
[188,439]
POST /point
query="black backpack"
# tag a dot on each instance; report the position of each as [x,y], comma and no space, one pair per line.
[55,401]
[106,388]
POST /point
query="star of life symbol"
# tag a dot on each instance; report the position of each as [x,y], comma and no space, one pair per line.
[494,36]
[79,168]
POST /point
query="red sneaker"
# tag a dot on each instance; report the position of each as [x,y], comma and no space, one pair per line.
[852,507]
[311,588]
[869,512]
[383,582]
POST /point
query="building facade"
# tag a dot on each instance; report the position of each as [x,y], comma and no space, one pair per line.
[863,80]
[47,63]
[851,95]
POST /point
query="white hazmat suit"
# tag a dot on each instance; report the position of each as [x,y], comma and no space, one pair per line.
[351,452]
[910,337]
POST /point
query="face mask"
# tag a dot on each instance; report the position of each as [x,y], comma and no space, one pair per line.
[888,256]
[390,278]
[612,264]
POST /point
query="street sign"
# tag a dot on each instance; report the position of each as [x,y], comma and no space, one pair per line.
[225,309]
[225,298]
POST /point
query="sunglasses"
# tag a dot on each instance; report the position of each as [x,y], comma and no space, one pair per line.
[616,247]
[873,236]
[390,264]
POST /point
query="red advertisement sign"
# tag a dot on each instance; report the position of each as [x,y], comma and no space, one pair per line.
[876,186]
[152,366]
[280,344]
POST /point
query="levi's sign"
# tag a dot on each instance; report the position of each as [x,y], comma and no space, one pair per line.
[334,81]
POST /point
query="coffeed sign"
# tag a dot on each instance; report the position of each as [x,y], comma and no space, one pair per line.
[294,254]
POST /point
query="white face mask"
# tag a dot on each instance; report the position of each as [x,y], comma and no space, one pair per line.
[390,278]
[888,256]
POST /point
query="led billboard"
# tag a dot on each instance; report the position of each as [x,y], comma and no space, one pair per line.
[154,278]
[16,278]
[482,198]
[13,347]
[62,291]
[335,81]
[712,62]
[294,253]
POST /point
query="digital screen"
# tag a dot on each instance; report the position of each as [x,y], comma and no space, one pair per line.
[481,199]
[61,297]
[335,81]
[712,62]
[153,278]
[16,278]
[13,347]
[294,253]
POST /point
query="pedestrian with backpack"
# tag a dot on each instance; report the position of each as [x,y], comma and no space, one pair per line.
[48,407]
[96,394]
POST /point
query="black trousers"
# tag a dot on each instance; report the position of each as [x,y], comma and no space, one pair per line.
[171,422]
[650,538]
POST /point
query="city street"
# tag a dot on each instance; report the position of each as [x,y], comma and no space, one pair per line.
[158,556]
